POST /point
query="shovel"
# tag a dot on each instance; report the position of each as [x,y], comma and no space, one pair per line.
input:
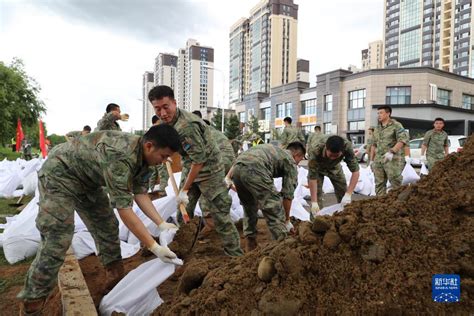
[182,208]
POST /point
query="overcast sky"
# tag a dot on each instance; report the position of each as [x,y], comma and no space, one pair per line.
[88,53]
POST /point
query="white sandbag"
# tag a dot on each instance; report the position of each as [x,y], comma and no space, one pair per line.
[30,183]
[167,236]
[366,181]
[83,245]
[330,210]
[327,186]
[136,293]
[424,169]
[409,175]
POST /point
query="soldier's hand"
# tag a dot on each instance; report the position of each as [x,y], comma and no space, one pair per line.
[124,117]
[314,208]
[162,253]
[346,199]
[164,226]
[228,182]
[182,198]
[408,159]
[289,227]
[388,156]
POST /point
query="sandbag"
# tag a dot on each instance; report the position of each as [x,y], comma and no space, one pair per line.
[409,175]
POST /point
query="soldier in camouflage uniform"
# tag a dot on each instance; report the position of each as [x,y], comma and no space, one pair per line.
[387,151]
[158,171]
[202,165]
[314,138]
[110,118]
[435,144]
[85,131]
[290,134]
[325,160]
[73,178]
[253,174]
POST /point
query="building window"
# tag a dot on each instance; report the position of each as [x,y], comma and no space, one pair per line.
[307,129]
[327,128]
[328,102]
[242,117]
[280,110]
[398,95]
[288,109]
[357,126]
[410,45]
[266,114]
[308,107]
[468,101]
[357,99]
[444,97]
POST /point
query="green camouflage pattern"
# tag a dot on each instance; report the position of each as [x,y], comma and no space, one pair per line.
[291,134]
[225,148]
[108,122]
[253,176]
[313,140]
[158,172]
[435,143]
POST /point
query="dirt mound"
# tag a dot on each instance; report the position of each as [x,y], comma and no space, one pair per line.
[378,256]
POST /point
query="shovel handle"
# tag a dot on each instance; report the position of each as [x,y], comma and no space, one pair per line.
[182,208]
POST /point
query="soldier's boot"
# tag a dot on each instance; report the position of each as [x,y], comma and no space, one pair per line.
[250,243]
[114,272]
[33,307]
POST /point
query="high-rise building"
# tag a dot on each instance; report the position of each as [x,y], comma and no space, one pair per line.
[302,70]
[195,80]
[263,49]
[435,33]
[148,111]
[166,70]
[372,57]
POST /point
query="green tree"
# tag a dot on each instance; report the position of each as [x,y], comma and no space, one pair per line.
[216,121]
[56,139]
[18,99]
[232,127]
[253,124]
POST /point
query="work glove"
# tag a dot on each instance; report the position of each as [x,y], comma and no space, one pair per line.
[346,199]
[182,198]
[124,117]
[408,159]
[228,182]
[163,253]
[314,208]
[388,156]
[164,226]
[289,226]
[423,159]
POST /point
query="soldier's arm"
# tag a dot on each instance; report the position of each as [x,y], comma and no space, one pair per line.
[283,138]
[312,179]
[195,146]
[353,166]
[136,226]
[426,140]
[402,139]
[147,207]
[446,146]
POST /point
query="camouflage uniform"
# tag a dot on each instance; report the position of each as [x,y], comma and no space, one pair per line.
[225,147]
[313,140]
[319,166]
[108,122]
[73,178]
[385,138]
[291,134]
[159,172]
[435,143]
[253,175]
[200,147]
[73,134]
[370,142]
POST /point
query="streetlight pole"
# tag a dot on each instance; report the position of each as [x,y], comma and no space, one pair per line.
[223,91]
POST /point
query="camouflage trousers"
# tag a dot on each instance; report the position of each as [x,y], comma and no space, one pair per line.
[216,200]
[430,161]
[159,172]
[60,195]
[256,190]
[391,171]
[338,180]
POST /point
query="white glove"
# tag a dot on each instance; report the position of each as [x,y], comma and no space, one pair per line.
[388,156]
[289,226]
[407,159]
[314,208]
[164,226]
[423,159]
[228,182]
[124,117]
[162,253]
[182,198]
[346,199]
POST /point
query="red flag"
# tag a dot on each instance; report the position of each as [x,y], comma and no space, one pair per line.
[19,135]
[42,142]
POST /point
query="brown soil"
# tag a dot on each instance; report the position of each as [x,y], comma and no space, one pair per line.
[376,257]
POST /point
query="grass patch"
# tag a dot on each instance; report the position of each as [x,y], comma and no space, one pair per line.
[6,152]
[14,279]
[7,209]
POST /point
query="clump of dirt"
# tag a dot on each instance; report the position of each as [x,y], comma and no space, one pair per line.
[377,256]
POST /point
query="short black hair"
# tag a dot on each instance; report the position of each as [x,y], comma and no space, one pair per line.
[111,107]
[207,122]
[439,119]
[288,120]
[160,92]
[335,144]
[163,136]
[198,113]
[154,119]
[387,109]
[297,146]
[87,128]
[317,128]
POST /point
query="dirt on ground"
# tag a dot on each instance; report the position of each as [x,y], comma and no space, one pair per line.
[376,257]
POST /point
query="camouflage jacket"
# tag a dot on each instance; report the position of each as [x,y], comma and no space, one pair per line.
[435,141]
[108,122]
[198,145]
[224,145]
[313,140]
[274,162]
[108,159]
[291,134]
[319,162]
[385,137]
